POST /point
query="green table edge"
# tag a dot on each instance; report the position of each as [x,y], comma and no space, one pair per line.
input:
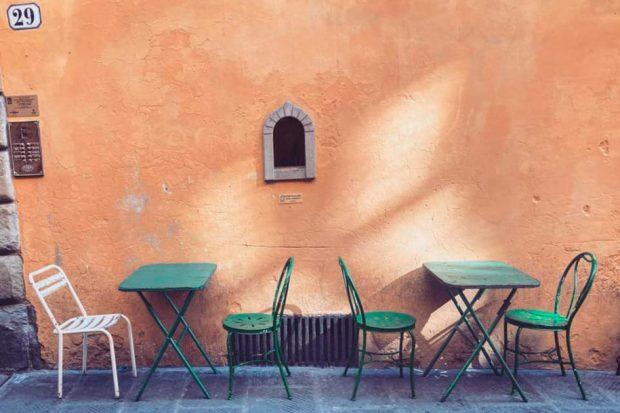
[212,269]
[534,283]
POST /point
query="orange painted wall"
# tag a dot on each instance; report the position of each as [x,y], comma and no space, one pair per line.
[445,130]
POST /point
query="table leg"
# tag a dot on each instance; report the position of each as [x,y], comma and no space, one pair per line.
[473,333]
[487,338]
[169,334]
[451,334]
[187,329]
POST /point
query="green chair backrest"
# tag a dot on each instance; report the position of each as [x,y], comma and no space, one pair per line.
[574,305]
[357,310]
[279,299]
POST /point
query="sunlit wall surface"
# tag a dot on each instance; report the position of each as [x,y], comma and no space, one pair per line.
[444,130]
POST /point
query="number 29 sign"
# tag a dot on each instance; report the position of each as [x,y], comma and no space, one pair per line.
[24,16]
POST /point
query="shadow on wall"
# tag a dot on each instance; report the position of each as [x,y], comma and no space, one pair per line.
[411,169]
[420,295]
[415,293]
[400,124]
[400,149]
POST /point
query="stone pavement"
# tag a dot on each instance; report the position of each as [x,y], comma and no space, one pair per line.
[258,389]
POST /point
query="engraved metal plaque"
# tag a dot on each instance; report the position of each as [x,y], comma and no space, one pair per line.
[22,106]
[290,198]
[25,148]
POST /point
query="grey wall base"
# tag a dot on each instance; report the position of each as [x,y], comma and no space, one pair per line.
[19,345]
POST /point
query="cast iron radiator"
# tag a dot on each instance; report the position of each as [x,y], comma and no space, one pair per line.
[325,340]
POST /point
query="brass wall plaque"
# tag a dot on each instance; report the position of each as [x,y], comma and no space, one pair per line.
[22,106]
[290,198]
[25,148]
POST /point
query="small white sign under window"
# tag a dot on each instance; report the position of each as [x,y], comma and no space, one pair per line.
[291,198]
[24,16]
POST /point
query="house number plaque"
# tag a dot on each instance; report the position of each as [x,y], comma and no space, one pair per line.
[25,148]
[24,16]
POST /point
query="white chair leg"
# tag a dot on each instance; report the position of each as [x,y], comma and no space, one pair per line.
[84,352]
[113,359]
[60,348]
[132,352]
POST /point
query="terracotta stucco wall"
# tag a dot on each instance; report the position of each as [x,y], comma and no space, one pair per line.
[444,129]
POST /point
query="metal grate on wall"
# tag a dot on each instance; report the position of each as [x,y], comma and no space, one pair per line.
[324,340]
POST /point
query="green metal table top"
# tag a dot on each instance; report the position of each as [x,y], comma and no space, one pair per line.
[479,274]
[169,277]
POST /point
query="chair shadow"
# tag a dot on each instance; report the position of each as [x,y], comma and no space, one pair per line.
[419,294]
[331,342]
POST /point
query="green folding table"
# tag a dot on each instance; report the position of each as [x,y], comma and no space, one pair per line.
[458,276]
[165,279]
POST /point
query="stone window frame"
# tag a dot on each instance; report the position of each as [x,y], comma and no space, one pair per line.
[290,172]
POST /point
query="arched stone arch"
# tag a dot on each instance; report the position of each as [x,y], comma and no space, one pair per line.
[275,168]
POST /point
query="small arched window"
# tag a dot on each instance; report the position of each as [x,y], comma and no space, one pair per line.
[288,143]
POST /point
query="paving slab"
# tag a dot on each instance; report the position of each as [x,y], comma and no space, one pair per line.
[562,391]
[203,409]
[91,407]
[259,389]
[97,386]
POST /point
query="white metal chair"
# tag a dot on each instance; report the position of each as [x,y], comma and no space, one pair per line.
[52,278]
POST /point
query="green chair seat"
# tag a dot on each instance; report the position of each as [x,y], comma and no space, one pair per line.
[535,318]
[388,321]
[250,323]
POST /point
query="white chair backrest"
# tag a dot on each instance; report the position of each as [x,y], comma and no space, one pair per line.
[49,280]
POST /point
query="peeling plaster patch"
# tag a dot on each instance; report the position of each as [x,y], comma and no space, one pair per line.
[132,262]
[57,256]
[152,240]
[604,147]
[134,202]
[596,356]
[173,229]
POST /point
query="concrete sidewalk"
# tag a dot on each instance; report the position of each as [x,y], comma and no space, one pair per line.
[258,389]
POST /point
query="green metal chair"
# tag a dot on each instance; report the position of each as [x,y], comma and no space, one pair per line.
[376,322]
[259,323]
[556,321]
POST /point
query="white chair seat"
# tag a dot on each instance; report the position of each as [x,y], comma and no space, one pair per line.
[85,324]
